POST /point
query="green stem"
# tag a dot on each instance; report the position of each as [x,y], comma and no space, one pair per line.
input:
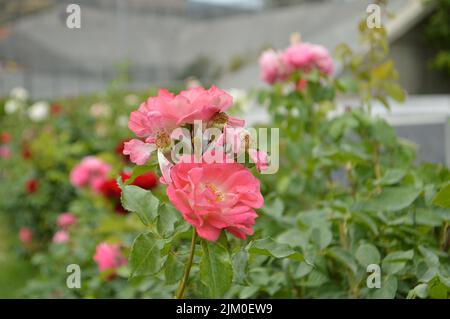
[181,288]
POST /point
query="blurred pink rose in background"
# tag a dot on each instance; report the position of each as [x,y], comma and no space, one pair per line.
[25,235]
[65,220]
[91,171]
[60,237]
[109,257]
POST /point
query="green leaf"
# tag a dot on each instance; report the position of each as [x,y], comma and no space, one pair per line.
[240,265]
[269,247]
[421,291]
[173,269]
[396,261]
[436,289]
[367,254]
[216,272]
[392,176]
[395,91]
[141,202]
[388,288]
[321,236]
[145,255]
[344,257]
[442,198]
[431,259]
[167,219]
[393,198]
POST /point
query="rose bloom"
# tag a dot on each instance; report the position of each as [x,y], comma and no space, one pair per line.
[271,66]
[90,171]
[156,118]
[215,196]
[111,189]
[65,220]
[306,56]
[5,137]
[25,235]
[32,186]
[5,152]
[109,257]
[60,237]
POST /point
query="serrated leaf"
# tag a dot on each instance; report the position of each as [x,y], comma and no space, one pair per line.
[240,266]
[269,247]
[145,255]
[141,202]
[216,272]
[167,219]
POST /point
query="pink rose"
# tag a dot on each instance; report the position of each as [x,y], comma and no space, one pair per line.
[307,56]
[156,119]
[25,235]
[271,68]
[91,171]
[5,151]
[65,220]
[109,257]
[60,237]
[215,196]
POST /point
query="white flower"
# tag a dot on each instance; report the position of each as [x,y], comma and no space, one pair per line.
[11,106]
[38,111]
[100,109]
[19,93]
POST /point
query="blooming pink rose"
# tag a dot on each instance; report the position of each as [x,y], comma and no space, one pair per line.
[215,196]
[109,257]
[25,235]
[162,113]
[91,171]
[156,119]
[5,151]
[271,67]
[65,220]
[306,56]
[323,60]
[138,151]
[60,237]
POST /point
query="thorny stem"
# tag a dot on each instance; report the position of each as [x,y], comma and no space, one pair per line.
[181,288]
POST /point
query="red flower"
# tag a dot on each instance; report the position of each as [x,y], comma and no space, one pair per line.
[32,186]
[110,189]
[5,137]
[146,181]
[26,153]
[56,108]
[119,150]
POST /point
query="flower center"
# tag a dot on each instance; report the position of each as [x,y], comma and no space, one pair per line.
[162,140]
[219,120]
[219,195]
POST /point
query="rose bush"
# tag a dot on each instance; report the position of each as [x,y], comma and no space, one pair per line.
[144,219]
